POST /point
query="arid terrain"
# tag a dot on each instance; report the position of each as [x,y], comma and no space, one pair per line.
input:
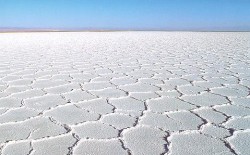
[125,93]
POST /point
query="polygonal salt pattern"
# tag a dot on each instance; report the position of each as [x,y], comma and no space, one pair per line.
[206,84]
[173,93]
[174,121]
[53,146]
[143,95]
[47,83]
[211,115]
[18,114]
[119,121]
[122,81]
[109,93]
[165,104]
[78,95]
[145,140]
[241,142]
[215,131]
[96,85]
[62,88]
[15,148]
[44,102]
[33,128]
[245,102]
[136,93]
[139,87]
[127,103]
[195,144]
[96,130]
[190,90]
[70,114]
[239,123]
[205,99]
[9,102]
[232,91]
[233,110]
[100,147]
[28,94]
[100,106]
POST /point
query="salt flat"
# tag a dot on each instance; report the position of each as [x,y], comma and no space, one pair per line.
[115,93]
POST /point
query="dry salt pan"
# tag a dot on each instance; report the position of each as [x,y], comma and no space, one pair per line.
[138,93]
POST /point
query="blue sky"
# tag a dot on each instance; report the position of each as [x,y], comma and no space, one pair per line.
[126,14]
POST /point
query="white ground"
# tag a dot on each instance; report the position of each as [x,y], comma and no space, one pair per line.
[115,93]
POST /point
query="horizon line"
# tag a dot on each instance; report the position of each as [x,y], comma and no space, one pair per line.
[13,30]
[80,29]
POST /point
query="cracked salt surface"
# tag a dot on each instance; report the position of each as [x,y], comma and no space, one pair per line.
[134,93]
[200,144]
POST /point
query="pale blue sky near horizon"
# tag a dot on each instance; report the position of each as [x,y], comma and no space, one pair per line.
[212,15]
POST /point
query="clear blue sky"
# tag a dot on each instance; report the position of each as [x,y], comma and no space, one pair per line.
[126,14]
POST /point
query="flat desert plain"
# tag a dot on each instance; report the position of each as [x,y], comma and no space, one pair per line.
[125,93]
